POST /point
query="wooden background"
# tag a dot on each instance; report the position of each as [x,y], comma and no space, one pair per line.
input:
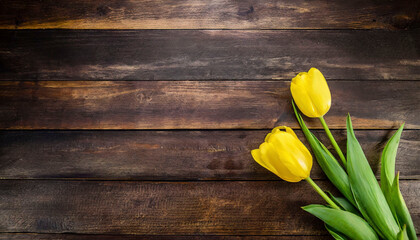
[135,119]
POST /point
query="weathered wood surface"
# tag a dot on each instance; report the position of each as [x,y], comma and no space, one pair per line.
[168,155]
[196,14]
[167,208]
[197,183]
[28,236]
[211,54]
[197,105]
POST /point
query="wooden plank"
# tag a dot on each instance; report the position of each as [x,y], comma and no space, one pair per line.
[144,155]
[197,105]
[28,236]
[203,55]
[196,14]
[172,208]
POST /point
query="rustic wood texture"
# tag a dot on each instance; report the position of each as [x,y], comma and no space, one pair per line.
[159,208]
[207,81]
[197,105]
[203,55]
[196,14]
[168,155]
[26,236]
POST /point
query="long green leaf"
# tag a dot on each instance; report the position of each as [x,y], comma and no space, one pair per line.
[349,224]
[344,204]
[402,235]
[367,193]
[399,208]
[388,163]
[336,235]
[326,161]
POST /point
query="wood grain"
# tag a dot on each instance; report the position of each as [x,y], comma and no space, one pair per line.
[196,14]
[168,155]
[197,105]
[159,208]
[26,236]
[204,55]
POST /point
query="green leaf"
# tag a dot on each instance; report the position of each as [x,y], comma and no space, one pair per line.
[402,235]
[367,193]
[336,235]
[326,161]
[400,209]
[349,224]
[345,204]
[388,163]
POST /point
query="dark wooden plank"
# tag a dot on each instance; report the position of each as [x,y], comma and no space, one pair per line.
[196,14]
[167,155]
[174,208]
[28,236]
[197,105]
[203,55]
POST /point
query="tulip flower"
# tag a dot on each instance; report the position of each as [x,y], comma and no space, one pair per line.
[311,93]
[286,156]
[312,96]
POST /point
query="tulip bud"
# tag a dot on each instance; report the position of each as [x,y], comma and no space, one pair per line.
[311,93]
[285,155]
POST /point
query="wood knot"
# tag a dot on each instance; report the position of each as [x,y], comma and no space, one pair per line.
[246,12]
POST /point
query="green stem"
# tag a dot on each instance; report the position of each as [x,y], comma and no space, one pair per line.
[334,143]
[322,193]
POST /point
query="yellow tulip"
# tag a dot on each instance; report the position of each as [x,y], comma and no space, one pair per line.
[285,155]
[311,93]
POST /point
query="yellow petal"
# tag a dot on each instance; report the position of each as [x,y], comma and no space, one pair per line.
[293,154]
[277,160]
[311,93]
[281,128]
[303,100]
[257,155]
[290,131]
[284,154]
[270,158]
[268,136]
[318,91]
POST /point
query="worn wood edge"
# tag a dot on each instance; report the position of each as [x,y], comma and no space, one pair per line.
[196,14]
[25,236]
[205,208]
[207,54]
[198,105]
[63,236]
[194,155]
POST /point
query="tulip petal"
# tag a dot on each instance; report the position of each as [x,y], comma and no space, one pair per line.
[287,129]
[311,93]
[257,155]
[293,154]
[271,158]
[302,99]
[284,154]
[290,131]
[318,90]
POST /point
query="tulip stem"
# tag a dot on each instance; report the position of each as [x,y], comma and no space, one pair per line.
[334,143]
[322,193]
